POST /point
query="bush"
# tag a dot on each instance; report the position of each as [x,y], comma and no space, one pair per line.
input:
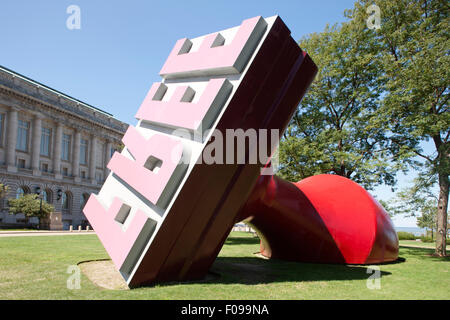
[426,239]
[402,235]
[30,206]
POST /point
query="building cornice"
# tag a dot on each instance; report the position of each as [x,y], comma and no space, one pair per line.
[54,113]
[26,175]
[21,87]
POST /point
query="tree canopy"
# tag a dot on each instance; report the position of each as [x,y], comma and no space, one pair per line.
[379,95]
[3,190]
[30,206]
[331,131]
[414,45]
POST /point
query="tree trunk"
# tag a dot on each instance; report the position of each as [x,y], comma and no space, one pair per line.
[441,218]
[441,223]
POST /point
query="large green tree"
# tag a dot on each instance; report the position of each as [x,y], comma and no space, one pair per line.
[30,206]
[413,48]
[418,200]
[331,131]
[428,218]
[3,190]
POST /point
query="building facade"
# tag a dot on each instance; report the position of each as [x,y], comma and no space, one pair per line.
[53,145]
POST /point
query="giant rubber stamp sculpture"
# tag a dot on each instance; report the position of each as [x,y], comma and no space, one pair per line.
[166,209]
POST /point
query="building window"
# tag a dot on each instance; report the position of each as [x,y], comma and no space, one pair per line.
[2,116]
[47,195]
[19,192]
[22,135]
[98,177]
[45,141]
[83,151]
[44,167]
[100,155]
[83,199]
[83,174]
[65,172]
[65,151]
[21,163]
[65,203]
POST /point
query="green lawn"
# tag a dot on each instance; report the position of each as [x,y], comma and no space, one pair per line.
[414,243]
[36,268]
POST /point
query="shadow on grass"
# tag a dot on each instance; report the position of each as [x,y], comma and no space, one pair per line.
[424,253]
[253,270]
[258,271]
[241,240]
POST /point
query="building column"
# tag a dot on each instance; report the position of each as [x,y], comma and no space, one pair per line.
[92,159]
[57,151]
[76,156]
[11,140]
[107,157]
[36,145]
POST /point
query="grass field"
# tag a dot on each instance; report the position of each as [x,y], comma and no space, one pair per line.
[413,243]
[36,268]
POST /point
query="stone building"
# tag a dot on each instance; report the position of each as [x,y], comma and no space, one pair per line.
[54,145]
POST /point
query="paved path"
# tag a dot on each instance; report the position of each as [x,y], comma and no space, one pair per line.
[43,233]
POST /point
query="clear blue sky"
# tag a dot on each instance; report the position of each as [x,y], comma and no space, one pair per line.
[113,59]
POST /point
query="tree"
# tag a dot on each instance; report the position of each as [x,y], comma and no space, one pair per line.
[413,42]
[330,131]
[419,201]
[3,190]
[30,206]
[428,218]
